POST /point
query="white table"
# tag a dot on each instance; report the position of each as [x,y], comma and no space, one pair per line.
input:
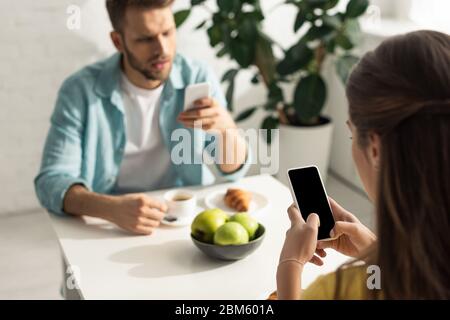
[113,264]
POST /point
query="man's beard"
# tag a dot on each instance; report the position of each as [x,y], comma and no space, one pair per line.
[147,74]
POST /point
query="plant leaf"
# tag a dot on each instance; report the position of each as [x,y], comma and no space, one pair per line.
[353,31]
[181,17]
[299,20]
[269,123]
[295,58]
[229,75]
[344,66]
[242,52]
[330,4]
[223,51]
[245,114]
[332,21]
[255,79]
[317,3]
[248,30]
[229,5]
[270,105]
[199,26]
[257,15]
[330,45]
[196,2]
[229,95]
[309,97]
[355,8]
[275,92]
[315,33]
[214,34]
[344,42]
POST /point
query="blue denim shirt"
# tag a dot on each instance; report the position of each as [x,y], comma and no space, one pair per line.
[86,141]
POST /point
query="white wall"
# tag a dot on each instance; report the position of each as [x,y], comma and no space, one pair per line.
[37,53]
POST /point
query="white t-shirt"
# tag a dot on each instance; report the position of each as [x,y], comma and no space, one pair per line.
[146,162]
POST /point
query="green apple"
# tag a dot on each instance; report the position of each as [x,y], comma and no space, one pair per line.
[247,221]
[231,233]
[206,223]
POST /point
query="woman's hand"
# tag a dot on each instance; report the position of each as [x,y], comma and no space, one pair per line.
[299,248]
[352,236]
[301,238]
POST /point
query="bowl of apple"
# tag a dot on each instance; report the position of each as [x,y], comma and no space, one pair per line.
[226,237]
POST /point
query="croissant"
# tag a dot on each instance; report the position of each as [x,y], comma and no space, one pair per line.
[238,199]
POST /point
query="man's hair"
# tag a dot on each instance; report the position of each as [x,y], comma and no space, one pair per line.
[116,9]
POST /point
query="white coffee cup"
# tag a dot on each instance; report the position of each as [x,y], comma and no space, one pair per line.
[180,203]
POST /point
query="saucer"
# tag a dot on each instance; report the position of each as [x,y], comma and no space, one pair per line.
[180,222]
[215,200]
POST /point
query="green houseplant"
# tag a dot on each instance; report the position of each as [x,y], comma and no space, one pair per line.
[234,29]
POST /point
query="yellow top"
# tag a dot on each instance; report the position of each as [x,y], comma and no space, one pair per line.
[353,286]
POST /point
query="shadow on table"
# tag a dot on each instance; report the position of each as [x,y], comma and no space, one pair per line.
[172,258]
[86,228]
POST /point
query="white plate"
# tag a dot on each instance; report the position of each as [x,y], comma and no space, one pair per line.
[183,221]
[215,200]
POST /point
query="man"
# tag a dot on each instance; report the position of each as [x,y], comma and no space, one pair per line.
[110,134]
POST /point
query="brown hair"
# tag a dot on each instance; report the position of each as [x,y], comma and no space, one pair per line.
[116,9]
[401,91]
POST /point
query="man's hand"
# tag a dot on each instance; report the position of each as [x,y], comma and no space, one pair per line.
[137,213]
[207,113]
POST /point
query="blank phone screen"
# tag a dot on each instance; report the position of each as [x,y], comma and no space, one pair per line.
[311,197]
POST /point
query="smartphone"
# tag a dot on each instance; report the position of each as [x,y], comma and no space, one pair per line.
[310,196]
[194,92]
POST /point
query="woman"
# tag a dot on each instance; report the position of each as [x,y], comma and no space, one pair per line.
[399,117]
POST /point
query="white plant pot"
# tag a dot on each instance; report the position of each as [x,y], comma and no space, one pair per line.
[304,146]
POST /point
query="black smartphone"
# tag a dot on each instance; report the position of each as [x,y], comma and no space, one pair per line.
[310,196]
